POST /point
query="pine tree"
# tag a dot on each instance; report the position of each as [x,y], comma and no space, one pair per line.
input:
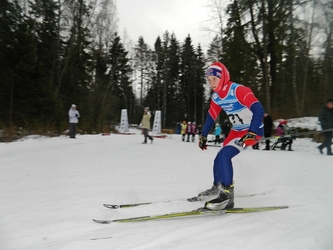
[187,79]
[45,18]
[119,80]
[10,19]
[75,76]
[170,110]
[142,58]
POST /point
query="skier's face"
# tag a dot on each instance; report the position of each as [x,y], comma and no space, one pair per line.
[213,82]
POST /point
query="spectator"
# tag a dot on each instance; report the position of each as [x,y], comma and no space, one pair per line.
[183,130]
[217,133]
[326,121]
[74,115]
[194,131]
[145,123]
[226,126]
[282,132]
[268,126]
[189,131]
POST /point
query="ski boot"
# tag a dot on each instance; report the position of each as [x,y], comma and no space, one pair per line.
[225,200]
[214,191]
[208,194]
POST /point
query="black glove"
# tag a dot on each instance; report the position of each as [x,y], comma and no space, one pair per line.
[248,140]
[202,142]
[76,115]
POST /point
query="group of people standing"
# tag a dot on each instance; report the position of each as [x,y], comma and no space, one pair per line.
[189,130]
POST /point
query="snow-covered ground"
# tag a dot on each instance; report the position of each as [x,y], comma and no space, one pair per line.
[52,188]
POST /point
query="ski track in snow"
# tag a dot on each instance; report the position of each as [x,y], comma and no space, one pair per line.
[52,188]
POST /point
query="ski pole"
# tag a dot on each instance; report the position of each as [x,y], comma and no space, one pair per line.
[296,134]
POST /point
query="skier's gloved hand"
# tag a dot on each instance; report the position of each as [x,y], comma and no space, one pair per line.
[202,142]
[248,140]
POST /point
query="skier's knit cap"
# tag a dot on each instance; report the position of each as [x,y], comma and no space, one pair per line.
[214,70]
[219,70]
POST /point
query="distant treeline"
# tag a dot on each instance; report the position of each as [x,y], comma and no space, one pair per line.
[55,53]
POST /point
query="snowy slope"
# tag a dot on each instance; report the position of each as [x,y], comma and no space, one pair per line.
[51,188]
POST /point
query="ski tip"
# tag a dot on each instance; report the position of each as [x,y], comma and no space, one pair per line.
[111,206]
[195,198]
[254,209]
[102,221]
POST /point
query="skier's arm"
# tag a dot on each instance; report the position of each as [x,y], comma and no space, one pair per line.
[208,125]
[258,114]
[213,112]
[247,98]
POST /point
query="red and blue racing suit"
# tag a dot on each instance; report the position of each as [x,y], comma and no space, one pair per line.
[245,113]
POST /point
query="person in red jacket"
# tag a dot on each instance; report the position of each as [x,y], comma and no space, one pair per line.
[189,131]
[245,113]
[194,131]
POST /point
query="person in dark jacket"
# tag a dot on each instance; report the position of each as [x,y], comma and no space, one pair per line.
[268,126]
[326,120]
[226,127]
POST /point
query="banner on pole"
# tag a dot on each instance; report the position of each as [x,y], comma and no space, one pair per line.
[124,121]
[157,122]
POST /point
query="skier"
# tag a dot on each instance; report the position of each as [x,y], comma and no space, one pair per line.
[246,114]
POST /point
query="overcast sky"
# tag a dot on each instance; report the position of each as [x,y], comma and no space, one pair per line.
[151,18]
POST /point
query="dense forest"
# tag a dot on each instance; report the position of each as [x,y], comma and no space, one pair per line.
[57,52]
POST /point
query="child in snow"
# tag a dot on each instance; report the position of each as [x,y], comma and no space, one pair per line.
[217,133]
[246,113]
[282,130]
